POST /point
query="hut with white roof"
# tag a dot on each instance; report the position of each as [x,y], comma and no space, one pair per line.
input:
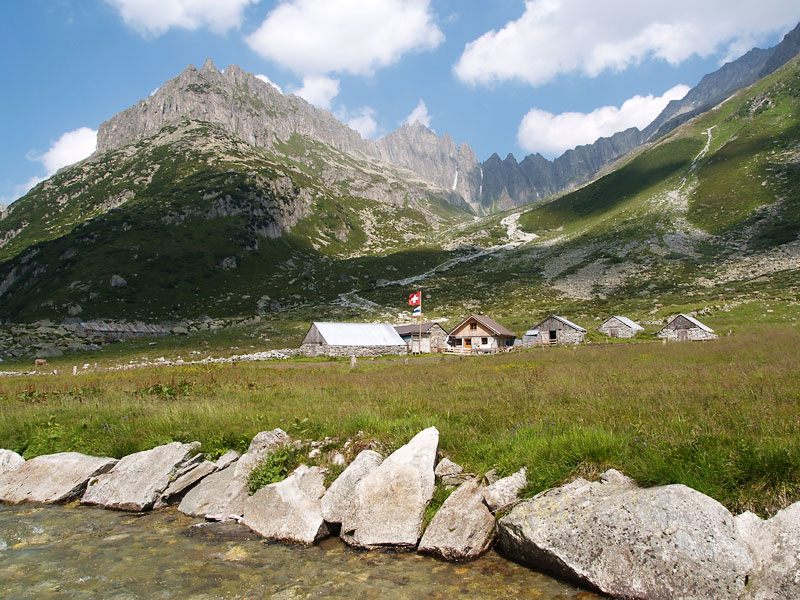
[352,339]
[620,327]
[555,330]
[684,328]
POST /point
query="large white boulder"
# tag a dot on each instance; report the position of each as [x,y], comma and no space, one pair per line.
[339,498]
[657,543]
[463,528]
[290,510]
[389,503]
[218,497]
[774,545]
[51,478]
[139,480]
[9,460]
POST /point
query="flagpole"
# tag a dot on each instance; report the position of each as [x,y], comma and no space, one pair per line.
[420,321]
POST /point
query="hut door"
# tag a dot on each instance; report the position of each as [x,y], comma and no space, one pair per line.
[613,333]
[553,334]
[468,343]
[683,335]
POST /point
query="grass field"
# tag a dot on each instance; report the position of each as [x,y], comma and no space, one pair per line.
[722,417]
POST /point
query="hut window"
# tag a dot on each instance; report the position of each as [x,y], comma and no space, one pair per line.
[473,326]
[484,341]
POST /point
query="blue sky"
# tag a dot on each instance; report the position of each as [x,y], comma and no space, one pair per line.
[503,75]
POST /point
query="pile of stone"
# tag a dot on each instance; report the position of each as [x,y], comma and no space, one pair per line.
[609,536]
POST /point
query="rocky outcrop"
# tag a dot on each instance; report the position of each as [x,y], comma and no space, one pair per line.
[138,481]
[338,500]
[389,503]
[218,497]
[774,545]
[51,478]
[9,460]
[463,528]
[260,447]
[504,492]
[289,510]
[657,543]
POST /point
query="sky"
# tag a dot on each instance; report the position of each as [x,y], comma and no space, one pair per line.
[505,76]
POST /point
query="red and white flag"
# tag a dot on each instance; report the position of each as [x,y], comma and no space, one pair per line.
[415,299]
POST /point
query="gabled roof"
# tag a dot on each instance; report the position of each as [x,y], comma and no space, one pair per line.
[489,323]
[692,320]
[566,322]
[625,321]
[358,334]
[414,328]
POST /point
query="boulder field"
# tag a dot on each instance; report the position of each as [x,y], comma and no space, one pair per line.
[609,536]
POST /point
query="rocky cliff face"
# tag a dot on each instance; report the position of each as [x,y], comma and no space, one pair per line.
[244,105]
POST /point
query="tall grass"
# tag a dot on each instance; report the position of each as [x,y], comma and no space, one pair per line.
[722,417]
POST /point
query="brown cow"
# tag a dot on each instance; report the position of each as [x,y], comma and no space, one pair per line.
[40,362]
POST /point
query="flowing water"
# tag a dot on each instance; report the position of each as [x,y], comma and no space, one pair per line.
[79,552]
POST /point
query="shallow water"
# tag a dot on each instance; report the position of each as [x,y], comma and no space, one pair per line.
[80,552]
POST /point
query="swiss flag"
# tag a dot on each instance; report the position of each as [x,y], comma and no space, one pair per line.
[415,299]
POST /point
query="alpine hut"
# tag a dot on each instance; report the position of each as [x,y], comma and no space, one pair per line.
[620,327]
[684,328]
[352,339]
[479,333]
[555,330]
[434,338]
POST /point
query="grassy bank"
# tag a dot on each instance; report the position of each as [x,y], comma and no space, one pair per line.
[722,417]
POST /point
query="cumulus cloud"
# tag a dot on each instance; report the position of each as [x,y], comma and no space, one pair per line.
[420,113]
[155,17]
[316,37]
[589,37]
[267,80]
[542,131]
[319,91]
[362,120]
[69,148]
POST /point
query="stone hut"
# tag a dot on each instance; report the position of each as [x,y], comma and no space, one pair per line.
[479,333]
[352,339]
[684,328]
[434,338]
[555,330]
[620,327]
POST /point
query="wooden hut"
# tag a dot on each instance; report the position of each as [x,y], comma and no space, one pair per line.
[684,328]
[620,327]
[352,339]
[434,338]
[555,330]
[479,333]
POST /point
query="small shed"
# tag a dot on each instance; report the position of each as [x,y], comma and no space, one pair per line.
[479,333]
[620,327]
[684,328]
[530,338]
[555,330]
[434,338]
[352,339]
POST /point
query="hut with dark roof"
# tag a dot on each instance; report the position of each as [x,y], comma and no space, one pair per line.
[683,328]
[434,338]
[479,333]
[555,330]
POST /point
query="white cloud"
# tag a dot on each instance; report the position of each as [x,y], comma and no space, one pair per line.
[316,37]
[155,17]
[69,148]
[542,131]
[363,121]
[420,113]
[266,79]
[319,91]
[590,37]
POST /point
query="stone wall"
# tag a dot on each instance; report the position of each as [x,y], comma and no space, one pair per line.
[564,337]
[693,334]
[616,328]
[346,351]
